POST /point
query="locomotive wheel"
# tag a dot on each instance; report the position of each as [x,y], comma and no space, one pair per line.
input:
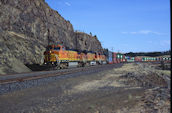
[83,64]
[66,65]
[63,66]
[87,64]
[80,64]
[56,68]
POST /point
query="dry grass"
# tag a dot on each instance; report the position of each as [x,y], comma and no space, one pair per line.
[111,78]
[108,79]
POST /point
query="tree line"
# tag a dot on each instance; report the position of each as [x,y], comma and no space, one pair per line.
[150,54]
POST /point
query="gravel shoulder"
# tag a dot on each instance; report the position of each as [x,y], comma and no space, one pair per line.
[134,87]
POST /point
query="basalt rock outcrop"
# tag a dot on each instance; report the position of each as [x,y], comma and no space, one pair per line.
[87,42]
[27,27]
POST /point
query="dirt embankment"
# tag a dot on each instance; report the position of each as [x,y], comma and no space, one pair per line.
[133,88]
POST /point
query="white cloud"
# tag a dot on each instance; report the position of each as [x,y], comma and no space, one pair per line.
[144,32]
[133,32]
[67,3]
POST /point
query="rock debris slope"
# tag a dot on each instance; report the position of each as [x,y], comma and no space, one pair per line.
[24,29]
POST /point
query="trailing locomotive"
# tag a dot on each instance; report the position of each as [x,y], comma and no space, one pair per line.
[60,57]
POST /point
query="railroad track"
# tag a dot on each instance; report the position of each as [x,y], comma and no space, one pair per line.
[20,81]
[42,74]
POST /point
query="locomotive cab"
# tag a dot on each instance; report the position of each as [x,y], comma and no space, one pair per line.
[52,54]
[55,48]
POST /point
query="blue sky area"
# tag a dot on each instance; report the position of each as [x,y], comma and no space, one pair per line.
[124,25]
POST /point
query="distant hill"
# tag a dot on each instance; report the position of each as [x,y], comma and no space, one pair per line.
[151,54]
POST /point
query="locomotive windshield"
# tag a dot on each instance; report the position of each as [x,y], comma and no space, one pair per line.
[57,48]
[48,48]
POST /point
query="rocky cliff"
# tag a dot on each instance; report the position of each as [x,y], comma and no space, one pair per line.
[87,42]
[26,28]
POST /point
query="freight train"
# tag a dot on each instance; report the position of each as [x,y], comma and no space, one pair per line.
[60,57]
[113,57]
[148,59]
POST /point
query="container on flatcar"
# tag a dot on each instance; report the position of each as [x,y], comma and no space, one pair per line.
[138,59]
[169,59]
[110,57]
[131,59]
[164,58]
[114,57]
[119,57]
[157,59]
[127,57]
[123,58]
[144,59]
[154,58]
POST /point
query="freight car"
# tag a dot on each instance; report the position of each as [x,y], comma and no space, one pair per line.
[60,57]
[110,57]
[119,57]
[147,59]
[113,58]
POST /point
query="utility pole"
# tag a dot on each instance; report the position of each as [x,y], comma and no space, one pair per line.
[112,49]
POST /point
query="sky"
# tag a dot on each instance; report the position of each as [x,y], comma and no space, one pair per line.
[121,25]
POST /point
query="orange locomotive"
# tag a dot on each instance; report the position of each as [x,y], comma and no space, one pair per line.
[57,55]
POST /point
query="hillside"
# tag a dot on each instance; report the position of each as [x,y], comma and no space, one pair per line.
[26,28]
